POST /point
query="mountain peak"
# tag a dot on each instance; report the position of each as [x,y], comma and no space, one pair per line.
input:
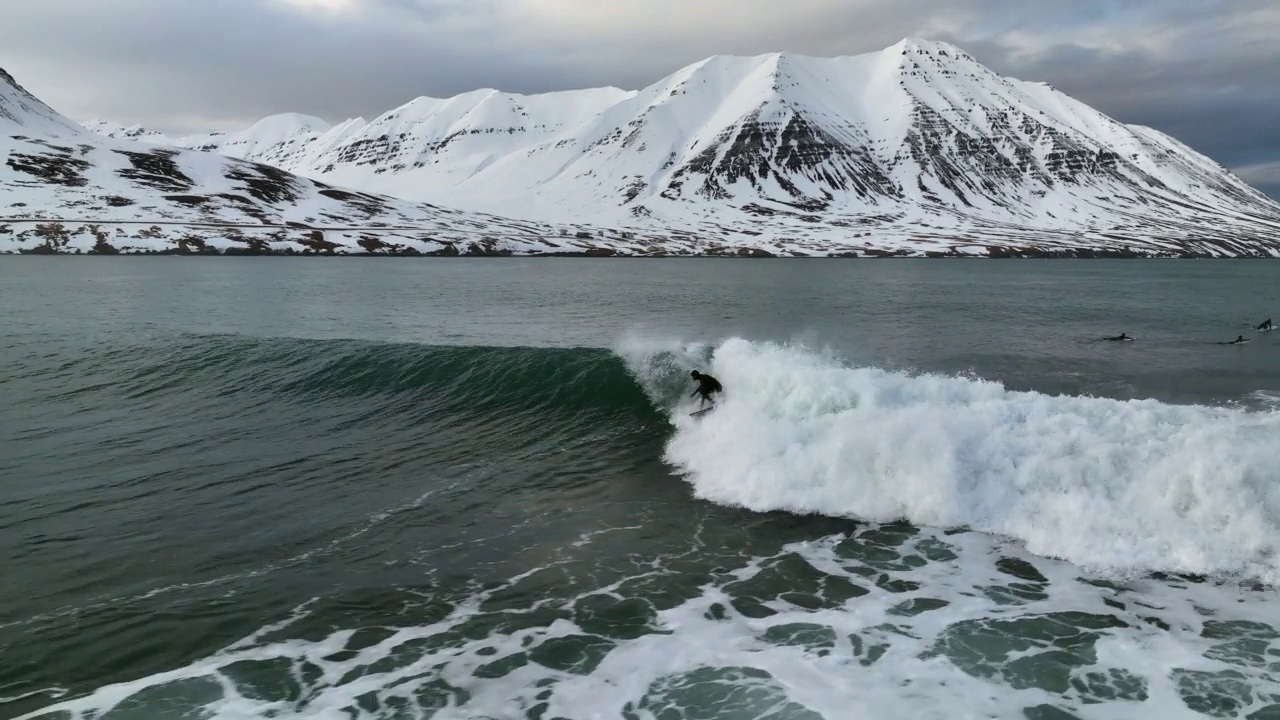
[288,123]
[19,107]
[784,59]
[923,45]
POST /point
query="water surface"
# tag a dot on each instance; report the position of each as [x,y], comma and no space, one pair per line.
[457,488]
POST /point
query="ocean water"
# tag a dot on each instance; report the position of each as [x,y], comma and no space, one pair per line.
[456,488]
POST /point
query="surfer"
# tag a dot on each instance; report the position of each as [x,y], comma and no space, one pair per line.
[1118,338]
[1265,326]
[706,386]
[1238,341]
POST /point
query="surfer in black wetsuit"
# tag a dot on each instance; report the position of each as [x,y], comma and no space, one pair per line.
[1238,341]
[1119,337]
[706,386]
[1266,326]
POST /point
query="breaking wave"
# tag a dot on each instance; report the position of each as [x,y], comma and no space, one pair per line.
[704,615]
[1124,487]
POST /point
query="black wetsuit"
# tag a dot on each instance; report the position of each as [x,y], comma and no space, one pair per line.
[1266,325]
[1121,336]
[706,386]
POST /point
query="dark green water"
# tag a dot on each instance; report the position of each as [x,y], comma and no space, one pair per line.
[459,489]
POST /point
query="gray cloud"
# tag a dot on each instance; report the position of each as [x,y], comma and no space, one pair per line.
[1202,70]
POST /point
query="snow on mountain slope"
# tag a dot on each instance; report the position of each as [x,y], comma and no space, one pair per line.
[917,148]
[259,141]
[262,137]
[21,109]
[132,132]
[65,189]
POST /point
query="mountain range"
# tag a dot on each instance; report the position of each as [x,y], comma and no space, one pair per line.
[64,189]
[914,150]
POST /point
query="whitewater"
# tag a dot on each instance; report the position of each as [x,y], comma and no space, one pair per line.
[1124,487]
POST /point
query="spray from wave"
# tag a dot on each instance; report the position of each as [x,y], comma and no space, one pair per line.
[1124,487]
[1265,399]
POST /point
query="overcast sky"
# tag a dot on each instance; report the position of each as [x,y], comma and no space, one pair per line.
[1205,71]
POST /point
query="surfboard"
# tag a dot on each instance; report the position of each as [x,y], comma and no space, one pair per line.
[696,413]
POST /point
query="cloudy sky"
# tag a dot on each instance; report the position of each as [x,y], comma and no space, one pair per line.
[1205,71]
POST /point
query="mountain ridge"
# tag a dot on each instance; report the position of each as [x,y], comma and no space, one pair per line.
[902,142]
[64,189]
[914,150]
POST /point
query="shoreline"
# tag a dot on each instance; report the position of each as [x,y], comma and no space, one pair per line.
[1082,254]
[169,237]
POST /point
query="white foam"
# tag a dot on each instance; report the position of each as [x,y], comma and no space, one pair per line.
[911,679]
[662,367]
[1118,486]
[1266,398]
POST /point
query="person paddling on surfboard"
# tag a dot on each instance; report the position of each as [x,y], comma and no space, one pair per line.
[1266,325]
[706,386]
[1120,337]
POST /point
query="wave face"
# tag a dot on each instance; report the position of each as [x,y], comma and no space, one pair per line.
[434,383]
[225,435]
[1119,486]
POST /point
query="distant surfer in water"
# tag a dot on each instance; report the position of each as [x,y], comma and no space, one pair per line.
[706,386]
[1238,341]
[1118,338]
[1265,326]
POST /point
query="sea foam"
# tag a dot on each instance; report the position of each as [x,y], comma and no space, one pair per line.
[1123,487]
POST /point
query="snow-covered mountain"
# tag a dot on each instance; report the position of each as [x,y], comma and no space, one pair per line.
[917,148]
[255,143]
[65,189]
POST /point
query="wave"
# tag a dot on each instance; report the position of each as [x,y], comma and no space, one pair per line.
[1120,486]
[462,378]
[1126,487]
